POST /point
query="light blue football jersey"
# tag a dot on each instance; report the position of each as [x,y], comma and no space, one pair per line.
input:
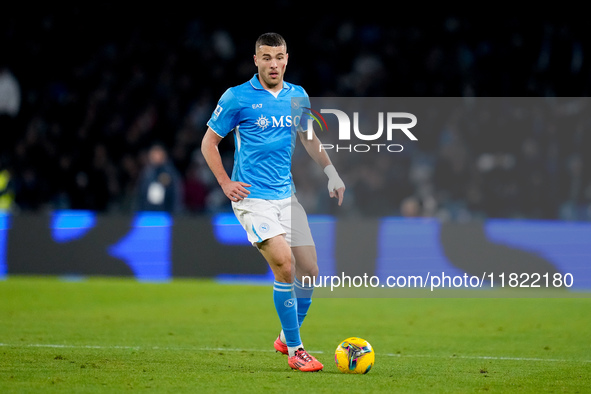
[264,135]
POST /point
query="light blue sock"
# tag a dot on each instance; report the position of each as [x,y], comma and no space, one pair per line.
[286,306]
[304,297]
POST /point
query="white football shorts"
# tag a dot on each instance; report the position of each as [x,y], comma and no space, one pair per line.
[264,219]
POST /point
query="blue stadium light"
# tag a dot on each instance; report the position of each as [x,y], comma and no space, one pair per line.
[566,244]
[4,226]
[147,247]
[228,230]
[68,225]
[411,246]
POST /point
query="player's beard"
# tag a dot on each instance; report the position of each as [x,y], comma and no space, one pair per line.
[273,81]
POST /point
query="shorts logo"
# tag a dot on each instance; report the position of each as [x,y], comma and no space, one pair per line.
[289,303]
[264,227]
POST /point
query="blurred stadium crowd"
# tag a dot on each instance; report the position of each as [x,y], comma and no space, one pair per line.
[85,93]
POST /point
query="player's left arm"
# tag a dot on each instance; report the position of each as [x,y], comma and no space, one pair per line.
[336,186]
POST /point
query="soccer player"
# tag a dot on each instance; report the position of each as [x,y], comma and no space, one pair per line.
[261,189]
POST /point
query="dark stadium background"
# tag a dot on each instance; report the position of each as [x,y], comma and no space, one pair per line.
[101,83]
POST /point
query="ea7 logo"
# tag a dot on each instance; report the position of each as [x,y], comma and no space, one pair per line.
[345,125]
[255,106]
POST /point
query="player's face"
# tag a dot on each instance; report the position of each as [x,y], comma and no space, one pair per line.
[271,62]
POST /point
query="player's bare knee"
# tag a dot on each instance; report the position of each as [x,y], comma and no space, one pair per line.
[311,272]
[283,273]
[282,266]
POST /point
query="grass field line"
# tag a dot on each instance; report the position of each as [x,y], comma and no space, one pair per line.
[220,349]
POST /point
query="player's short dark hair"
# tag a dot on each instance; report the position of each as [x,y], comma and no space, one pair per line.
[270,39]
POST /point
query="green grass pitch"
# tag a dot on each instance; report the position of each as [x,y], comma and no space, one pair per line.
[190,336]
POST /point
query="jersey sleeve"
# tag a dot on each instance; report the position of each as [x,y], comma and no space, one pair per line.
[301,110]
[225,116]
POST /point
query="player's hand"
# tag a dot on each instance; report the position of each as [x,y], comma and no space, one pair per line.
[235,191]
[338,193]
[336,186]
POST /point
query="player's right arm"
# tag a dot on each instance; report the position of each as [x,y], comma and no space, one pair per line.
[234,190]
[223,120]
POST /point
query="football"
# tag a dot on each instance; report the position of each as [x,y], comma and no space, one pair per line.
[354,355]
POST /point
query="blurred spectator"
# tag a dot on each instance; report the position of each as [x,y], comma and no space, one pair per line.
[28,190]
[102,180]
[6,190]
[577,192]
[10,102]
[195,189]
[159,187]
[411,207]
[10,92]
